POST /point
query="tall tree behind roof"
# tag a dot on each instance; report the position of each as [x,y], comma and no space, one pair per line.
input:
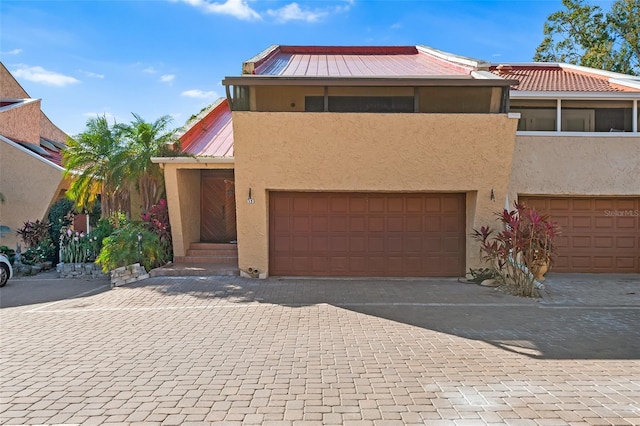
[584,34]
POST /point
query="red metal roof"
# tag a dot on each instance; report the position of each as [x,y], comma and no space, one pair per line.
[212,135]
[355,61]
[555,78]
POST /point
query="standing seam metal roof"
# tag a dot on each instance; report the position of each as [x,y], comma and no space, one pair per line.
[212,135]
[354,61]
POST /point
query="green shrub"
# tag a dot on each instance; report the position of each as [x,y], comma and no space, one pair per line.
[44,251]
[10,253]
[121,248]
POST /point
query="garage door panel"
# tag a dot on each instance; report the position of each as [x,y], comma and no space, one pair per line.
[358,205]
[581,204]
[414,223]
[603,242]
[338,224]
[339,205]
[300,243]
[433,224]
[599,234]
[395,205]
[626,222]
[395,245]
[367,234]
[357,224]
[319,224]
[319,205]
[415,205]
[625,242]
[375,244]
[357,244]
[376,224]
[338,244]
[319,243]
[282,224]
[583,222]
[300,224]
[451,204]
[376,205]
[450,224]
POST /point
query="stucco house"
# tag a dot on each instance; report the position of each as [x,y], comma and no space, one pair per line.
[31,175]
[379,161]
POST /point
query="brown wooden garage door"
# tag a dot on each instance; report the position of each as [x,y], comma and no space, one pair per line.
[366,234]
[598,234]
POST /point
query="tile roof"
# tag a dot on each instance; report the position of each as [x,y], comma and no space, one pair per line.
[211,135]
[556,78]
[355,61]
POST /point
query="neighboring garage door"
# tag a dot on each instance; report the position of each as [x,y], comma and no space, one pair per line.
[598,234]
[366,234]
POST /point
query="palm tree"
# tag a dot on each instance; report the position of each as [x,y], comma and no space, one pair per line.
[94,162]
[142,141]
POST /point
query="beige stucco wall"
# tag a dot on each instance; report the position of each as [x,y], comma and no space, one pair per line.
[576,165]
[22,123]
[182,182]
[51,131]
[29,186]
[468,153]
[9,87]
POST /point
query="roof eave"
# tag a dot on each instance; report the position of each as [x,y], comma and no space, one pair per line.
[193,160]
[390,81]
[515,94]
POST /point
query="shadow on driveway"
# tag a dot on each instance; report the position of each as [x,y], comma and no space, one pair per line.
[46,287]
[547,330]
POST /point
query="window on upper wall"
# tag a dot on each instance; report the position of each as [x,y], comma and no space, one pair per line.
[576,116]
[536,119]
[379,104]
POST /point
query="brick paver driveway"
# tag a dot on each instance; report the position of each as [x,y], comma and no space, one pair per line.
[371,352]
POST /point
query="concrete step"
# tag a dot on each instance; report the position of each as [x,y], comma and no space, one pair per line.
[205,252]
[213,246]
[207,259]
[195,270]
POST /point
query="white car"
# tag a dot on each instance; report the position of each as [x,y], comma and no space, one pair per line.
[6,271]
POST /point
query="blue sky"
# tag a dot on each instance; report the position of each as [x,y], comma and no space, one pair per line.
[154,58]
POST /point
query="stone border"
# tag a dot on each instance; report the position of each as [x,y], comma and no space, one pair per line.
[79,270]
[128,274]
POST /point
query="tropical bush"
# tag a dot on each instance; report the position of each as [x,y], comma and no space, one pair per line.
[156,220]
[123,248]
[33,233]
[524,244]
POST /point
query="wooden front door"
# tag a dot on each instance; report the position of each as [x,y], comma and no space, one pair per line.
[218,206]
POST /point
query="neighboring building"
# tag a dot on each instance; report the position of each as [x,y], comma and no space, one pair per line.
[380,161]
[577,157]
[31,175]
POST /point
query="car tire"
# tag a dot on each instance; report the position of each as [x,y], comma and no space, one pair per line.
[4,275]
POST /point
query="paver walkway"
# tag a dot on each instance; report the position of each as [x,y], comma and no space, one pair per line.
[369,352]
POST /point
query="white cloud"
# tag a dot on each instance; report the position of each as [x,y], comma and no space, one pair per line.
[91,74]
[293,12]
[149,70]
[167,78]
[200,94]
[12,52]
[41,75]
[396,26]
[237,8]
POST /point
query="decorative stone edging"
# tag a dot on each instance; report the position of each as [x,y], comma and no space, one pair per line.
[79,270]
[128,274]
